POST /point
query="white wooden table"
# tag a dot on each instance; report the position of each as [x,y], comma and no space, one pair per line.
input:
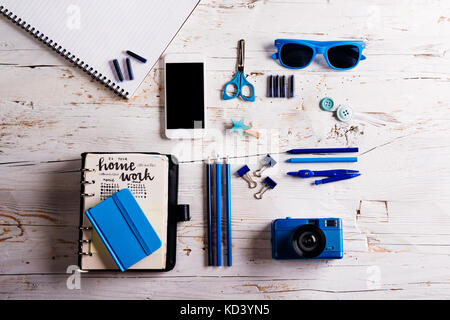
[396,215]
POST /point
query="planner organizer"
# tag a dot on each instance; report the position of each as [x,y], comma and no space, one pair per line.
[153,180]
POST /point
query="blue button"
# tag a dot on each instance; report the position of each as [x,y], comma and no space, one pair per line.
[327,104]
[344,113]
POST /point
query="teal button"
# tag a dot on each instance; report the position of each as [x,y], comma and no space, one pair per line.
[327,104]
[344,113]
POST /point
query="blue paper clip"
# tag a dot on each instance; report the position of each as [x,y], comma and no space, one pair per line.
[268,184]
[268,163]
[243,173]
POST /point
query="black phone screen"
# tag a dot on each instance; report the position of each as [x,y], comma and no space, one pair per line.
[185,100]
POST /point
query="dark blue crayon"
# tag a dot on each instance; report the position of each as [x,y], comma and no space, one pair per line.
[134,55]
[130,70]
[119,72]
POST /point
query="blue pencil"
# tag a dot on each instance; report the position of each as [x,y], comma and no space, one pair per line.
[219,212]
[228,198]
[210,217]
[317,160]
[322,150]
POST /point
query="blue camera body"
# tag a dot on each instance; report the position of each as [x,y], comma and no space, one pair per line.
[307,239]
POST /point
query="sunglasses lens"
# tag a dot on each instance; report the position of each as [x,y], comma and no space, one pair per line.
[343,57]
[296,55]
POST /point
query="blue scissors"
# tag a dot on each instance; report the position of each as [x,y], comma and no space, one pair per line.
[240,81]
[334,175]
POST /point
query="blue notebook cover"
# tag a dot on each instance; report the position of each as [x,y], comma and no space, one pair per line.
[124,228]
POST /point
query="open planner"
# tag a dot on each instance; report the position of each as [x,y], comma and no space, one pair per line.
[93,33]
[153,180]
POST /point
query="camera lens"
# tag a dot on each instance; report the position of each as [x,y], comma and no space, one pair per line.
[309,241]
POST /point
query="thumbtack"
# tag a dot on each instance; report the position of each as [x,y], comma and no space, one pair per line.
[268,163]
[268,184]
[243,173]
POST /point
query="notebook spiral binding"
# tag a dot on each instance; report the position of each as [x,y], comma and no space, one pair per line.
[84,194]
[63,52]
[83,241]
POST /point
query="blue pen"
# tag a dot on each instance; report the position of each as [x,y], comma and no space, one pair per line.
[210,217]
[228,203]
[219,212]
[319,160]
[322,150]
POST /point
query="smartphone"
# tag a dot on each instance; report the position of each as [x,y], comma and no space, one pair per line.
[185,110]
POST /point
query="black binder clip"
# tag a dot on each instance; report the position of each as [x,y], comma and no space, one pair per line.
[268,163]
[243,173]
[268,184]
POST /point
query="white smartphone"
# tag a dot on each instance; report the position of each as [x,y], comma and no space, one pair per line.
[185,109]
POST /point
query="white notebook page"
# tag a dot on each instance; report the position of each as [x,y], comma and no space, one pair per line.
[98,31]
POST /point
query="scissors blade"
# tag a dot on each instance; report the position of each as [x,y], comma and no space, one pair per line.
[241,55]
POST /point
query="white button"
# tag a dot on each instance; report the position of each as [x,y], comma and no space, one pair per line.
[344,113]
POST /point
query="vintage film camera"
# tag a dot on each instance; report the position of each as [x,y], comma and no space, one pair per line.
[307,238]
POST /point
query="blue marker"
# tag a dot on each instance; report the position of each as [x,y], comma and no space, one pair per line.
[322,150]
[319,160]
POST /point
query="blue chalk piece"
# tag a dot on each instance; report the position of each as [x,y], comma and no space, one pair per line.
[136,56]
[118,71]
[130,70]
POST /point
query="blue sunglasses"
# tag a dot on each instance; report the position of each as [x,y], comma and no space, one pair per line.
[298,54]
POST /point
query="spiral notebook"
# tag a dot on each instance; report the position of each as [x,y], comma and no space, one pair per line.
[146,176]
[91,34]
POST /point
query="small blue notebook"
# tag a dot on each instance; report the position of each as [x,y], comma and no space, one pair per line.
[124,228]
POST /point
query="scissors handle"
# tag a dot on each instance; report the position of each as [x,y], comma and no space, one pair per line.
[235,83]
[239,82]
[245,83]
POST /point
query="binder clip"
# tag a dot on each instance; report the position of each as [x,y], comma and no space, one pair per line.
[268,184]
[268,163]
[243,173]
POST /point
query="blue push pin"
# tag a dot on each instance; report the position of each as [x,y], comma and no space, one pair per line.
[243,173]
[268,184]
[268,163]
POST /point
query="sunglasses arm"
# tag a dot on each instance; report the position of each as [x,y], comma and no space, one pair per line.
[363,57]
[275,55]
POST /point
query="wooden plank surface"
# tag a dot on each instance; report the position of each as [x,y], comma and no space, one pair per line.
[396,215]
